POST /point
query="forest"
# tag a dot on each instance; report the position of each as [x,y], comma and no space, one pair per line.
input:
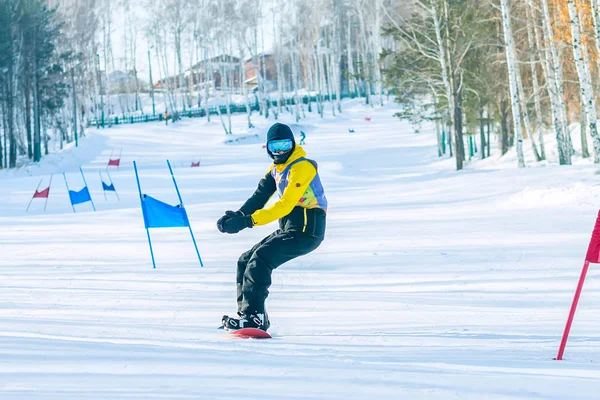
[518,71]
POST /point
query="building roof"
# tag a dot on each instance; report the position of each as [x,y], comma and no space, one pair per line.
[217,59]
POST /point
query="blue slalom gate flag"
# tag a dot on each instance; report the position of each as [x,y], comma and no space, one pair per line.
[81,196]
[162,215]
[108,187]
[158,214]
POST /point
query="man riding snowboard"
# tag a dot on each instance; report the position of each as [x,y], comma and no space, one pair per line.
[301,211]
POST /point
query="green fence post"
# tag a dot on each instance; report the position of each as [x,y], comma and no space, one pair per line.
[471,147]
[443,142]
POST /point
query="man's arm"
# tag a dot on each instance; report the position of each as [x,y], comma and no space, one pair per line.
[301,174]
[266,188]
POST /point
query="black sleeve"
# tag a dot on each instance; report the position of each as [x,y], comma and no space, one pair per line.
[264,191]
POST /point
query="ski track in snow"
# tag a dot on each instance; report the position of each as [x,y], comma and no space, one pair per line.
[431,283]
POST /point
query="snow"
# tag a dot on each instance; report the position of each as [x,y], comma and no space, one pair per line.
[431,283]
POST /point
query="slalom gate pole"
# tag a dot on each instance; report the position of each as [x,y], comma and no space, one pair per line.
[565,337]
[49,186]
[137,178]
[189,225]
[86,185]
[69,191]
[592,256]
[32,197]
[102,182]
[113,185]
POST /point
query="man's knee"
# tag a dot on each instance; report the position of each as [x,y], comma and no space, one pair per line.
[258,272]
[242,264]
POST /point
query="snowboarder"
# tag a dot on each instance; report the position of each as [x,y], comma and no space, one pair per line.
[301,211]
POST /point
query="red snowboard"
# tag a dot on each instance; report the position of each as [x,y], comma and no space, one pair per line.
[250,333]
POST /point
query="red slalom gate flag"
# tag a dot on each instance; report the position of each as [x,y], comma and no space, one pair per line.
[114,163]
[593,253]
[195,164]
[44,194]
[592,256]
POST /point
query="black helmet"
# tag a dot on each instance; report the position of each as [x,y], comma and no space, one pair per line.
[280,143]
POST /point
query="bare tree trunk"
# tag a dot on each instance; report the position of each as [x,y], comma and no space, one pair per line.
[37,145]
[4,132]
[438,137]
[133,33]
[321,84]
[295,75]
[278,61]
[230,84]
[364,38]
[224,74]
[196,75]
[512,75]
[595,4]
[243,84]
[583,133]
[352,86]
[208,83]
[108,53]
[458,125]
[504,126]
[488,132]
[525,117]
[265,96]
[12,152]
[455,80]
[45,136]
[444,69]
[329,78]
[179,85]
[536,88]
[27,94]
[7,99]
[555,71]
[482,132]
[585,84]
[337,62]
[171,83]
[376,39]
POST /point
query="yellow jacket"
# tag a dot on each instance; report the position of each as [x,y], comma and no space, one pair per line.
[300,176]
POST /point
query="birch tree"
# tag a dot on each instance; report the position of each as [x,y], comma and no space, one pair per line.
[555,82]
[442,54]
[533,52]
[585,84]
[512,75]
[595,9]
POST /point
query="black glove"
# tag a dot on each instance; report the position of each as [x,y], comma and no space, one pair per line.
[228,214]
[237,223]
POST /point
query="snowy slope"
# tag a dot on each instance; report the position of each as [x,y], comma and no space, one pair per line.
[431,283]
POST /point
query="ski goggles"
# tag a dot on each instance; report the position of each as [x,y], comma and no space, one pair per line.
[280,146]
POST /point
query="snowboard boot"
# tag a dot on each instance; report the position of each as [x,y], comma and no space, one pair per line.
[258,320]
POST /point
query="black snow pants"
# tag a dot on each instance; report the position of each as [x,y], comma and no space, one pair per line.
[256,265]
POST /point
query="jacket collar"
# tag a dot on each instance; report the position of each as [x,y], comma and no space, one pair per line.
[298,153]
